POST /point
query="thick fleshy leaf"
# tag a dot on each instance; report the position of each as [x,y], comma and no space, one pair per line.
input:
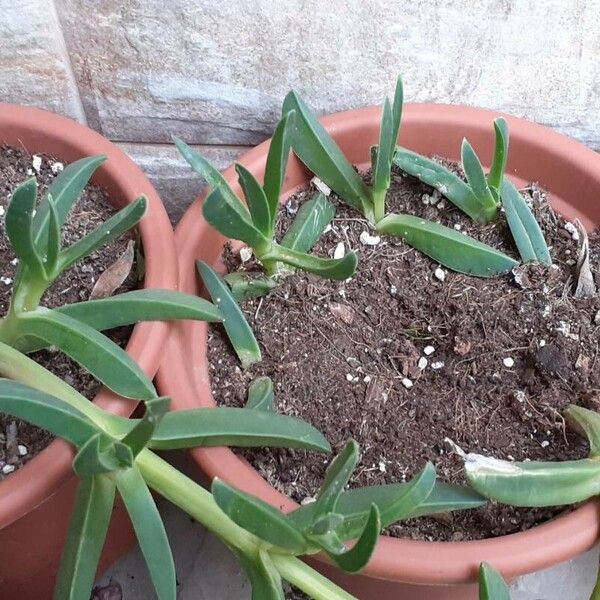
[260,394]
[53,247]
[239,332]
[588,423]
[383,156]
[256,199]
[258,517]
[231,222]
[533,483]
[141,305]
[45,411]
[329,268]
[65,191]
[110,230]
[227,426]
[85,538]
[102,454]
[106,361]
[317,150]
[308,225]
[491,584]
[336,478]
[496,174]
[525,229]
[18,224]
[139,437]
[447,183]
[447,497]
[396,114]
[149,530]
[279,150]
[476,177]
[447,246]
[249,285]
[263,575]
[358,556]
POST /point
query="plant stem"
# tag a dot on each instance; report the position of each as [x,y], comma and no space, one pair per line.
[379,205]
[169,482]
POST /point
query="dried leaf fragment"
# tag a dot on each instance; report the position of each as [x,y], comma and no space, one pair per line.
[114,276]
[586,288]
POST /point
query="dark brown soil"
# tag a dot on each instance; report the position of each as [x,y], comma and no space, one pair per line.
[20,441]
[342,354]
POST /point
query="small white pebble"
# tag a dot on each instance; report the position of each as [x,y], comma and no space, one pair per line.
[367,378]
[382,466]
[407,383]
[339,251]
[394,291]
[597,318]
[369,240]
[2,211]
[440,274]
[321,186]
[6,469]
[426,199]
[349,377]
[245,254]
[573,231]
[509,362]
[14,262]
[328,228]
[437,365]
[542,343]
[457,226]
[56,167]
[308,500]
[6,280]
[428,350]
[545,444]
[441,204]
[422,363]
[22,450]
[36,162]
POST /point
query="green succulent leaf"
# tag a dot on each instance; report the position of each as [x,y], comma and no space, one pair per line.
[258,205]
[149,530]
[337,477]
[241,427]
[358,556]
[533,483]
[101,454]
[491,584]
[383,156]
[446,497]
[53,248]
[106,361]
[260,394]
[240,334]
[139,437]
[110,230]
[65,190]
[249,285]
[263,575]
[141,305]
[232,222]
[317,150]
[447,246]
[45,411]
[476,177]
[277,158]
[525,229]
[447,183]
[85,538]
[18,223]
[588,423]
[308,226]
[325,524]
[258,517]
[496,174]
[329,268]
[396,114]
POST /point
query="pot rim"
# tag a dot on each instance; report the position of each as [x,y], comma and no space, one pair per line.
[46,132]
[184,374]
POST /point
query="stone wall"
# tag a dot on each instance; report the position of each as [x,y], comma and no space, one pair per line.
[215,73]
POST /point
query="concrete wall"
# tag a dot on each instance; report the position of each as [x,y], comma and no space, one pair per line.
[215,73]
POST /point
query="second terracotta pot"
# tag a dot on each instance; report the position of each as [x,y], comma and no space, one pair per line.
[407,569]
[36,501]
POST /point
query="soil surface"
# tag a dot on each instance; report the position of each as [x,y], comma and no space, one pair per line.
[20,441]
[404,355]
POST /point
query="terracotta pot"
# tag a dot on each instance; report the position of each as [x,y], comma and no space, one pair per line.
[401,568]
[36,501]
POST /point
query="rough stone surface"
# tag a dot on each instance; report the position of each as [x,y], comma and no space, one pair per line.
[34,66]
[217,72]
[172,177]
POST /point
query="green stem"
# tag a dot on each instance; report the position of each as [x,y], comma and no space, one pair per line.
[379,204]
[169,482]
